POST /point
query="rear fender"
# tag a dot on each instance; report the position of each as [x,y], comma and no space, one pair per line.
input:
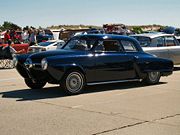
[139,72]
[145,65]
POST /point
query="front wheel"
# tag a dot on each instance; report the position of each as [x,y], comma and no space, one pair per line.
[152,77]
[73,82]
[34,84]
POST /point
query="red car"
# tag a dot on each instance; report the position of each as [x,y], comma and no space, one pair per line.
[19,47]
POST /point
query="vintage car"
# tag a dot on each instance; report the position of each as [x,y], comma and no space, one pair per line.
[160,44]
[43,38]
[46,46]
[91,60]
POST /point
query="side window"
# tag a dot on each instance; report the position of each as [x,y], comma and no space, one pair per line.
[99,47]
[76,44]
[176,42]
[158,42]
[128,46]
[108,46]
[170,41]
[144,41]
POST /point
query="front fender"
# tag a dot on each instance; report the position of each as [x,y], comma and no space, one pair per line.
[59,70]
[20,65]
[22,58]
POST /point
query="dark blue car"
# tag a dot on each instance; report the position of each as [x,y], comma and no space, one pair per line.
[91,60]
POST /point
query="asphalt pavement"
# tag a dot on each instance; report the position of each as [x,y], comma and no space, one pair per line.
[113,109]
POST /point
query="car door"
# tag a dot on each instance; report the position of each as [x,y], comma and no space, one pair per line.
[174,49]
[112,63]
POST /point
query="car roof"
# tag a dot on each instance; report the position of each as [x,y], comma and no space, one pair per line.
[55,41]
[110,37]
[105,36]
[152,35]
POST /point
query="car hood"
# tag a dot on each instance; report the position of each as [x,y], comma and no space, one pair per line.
[37,57]
[36,46]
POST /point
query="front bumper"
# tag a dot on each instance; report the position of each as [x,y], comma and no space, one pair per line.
[35,73]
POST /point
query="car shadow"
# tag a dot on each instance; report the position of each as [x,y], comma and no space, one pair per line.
[57,92]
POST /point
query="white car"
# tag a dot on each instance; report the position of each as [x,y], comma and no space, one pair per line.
[160,44]
[45,46]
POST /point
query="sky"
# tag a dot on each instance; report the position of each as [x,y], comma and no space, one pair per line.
[90,12]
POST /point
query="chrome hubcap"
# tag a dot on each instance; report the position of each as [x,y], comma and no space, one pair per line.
[74,82]
[153,76]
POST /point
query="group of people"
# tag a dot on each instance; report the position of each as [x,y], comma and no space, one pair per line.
[13,37]
[26,36]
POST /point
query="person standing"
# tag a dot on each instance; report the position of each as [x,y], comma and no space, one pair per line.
[25,36]
[12,50]
[7,37]
[32,37]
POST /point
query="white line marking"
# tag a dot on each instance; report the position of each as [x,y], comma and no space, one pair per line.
[77,106]
[9,79]
[122,93]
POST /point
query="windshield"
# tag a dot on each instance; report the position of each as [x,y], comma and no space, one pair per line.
[144,41]
[45,43]
[80,44]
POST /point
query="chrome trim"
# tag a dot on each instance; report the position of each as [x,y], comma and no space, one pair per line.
[44,64]
[28,63]
[96,83]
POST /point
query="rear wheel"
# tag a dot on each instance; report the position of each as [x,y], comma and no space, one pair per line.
[73,82]
[34,84]
[152,77]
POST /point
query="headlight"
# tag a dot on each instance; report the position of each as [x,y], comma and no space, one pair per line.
[15,61]
[44,64]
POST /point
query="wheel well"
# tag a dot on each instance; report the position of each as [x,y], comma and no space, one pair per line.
[138,72]
[75,69]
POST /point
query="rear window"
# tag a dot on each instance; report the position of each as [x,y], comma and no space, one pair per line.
[144,41]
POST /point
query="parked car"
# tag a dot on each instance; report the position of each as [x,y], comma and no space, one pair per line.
[19,47]
[43,38]
[45,46]
[91,60]
[160,44]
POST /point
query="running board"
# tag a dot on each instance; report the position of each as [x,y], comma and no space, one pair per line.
[96,83]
